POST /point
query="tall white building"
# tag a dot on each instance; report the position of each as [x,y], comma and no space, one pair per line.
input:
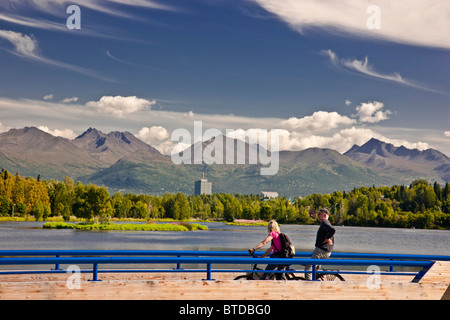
[202,186]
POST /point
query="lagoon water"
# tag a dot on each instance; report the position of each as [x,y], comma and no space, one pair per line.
[31,235]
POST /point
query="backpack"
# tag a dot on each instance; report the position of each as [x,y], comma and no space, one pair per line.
[287,248]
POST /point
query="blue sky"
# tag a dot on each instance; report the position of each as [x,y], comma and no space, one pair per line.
[314,70]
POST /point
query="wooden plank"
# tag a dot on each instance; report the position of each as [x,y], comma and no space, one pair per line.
[189,286]
[438,273]
[218,290]
[169,276]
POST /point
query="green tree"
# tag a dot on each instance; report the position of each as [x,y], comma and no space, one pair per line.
[266,212]
[38,210]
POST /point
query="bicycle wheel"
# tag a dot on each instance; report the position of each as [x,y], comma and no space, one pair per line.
[291,276]
[330,277]
[297,278]
[244,277]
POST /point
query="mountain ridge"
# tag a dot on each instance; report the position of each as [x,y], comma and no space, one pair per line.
[111,147]
[122,162]
[400,162]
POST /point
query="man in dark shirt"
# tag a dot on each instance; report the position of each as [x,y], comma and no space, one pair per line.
[324,239]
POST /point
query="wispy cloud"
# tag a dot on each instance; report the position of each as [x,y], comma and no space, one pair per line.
[24,45]
[414,22]
[32,22]
[19,11]
[27,47]
[69,100]
[109,54]
[363,67]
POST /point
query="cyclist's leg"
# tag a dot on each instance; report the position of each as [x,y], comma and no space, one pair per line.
[317,254]
[268,275]
[284,267]
[271,266]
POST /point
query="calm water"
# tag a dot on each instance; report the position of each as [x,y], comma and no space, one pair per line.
[31,235]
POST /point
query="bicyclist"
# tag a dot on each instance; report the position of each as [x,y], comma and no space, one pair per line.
[324,239]
[274,238]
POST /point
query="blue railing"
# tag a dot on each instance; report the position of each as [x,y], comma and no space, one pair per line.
[208,258]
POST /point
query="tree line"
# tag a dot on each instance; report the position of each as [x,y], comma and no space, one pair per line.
[419,205]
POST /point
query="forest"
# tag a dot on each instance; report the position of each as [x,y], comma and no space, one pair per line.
[420,205]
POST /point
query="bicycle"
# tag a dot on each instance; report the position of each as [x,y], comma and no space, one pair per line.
[275,276]
[288,275]
[329,276]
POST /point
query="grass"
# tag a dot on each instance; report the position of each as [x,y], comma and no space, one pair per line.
[129,227]
[243,222]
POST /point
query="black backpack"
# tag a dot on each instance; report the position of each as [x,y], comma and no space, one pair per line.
[287,248]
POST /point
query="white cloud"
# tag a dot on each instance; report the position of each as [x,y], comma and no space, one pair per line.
[319,121]
[153,134]
[189,114]
[24,45]
[158,137]
[27,47]
[371,112]
[414,22]
[120,106]
[48,97]
[65,133]
[363,67]
[56,8]
[68,100]
[331,55]
[341,140]
[145,4]
[346,138]
[447,133]
[322,129]
[4,128]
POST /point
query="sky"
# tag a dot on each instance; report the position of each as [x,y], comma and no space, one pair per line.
[326,74]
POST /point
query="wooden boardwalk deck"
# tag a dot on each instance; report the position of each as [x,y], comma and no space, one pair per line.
[179,286]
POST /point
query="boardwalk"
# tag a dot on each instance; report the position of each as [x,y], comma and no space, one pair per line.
[178,286]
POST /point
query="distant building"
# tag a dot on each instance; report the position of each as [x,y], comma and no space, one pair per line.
[202,186]
[269,194]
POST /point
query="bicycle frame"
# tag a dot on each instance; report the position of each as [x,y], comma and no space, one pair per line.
[275,275]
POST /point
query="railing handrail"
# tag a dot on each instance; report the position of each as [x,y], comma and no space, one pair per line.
[202,260]
[96,257]
[211,253]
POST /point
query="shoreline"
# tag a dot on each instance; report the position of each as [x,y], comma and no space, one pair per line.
[127,227]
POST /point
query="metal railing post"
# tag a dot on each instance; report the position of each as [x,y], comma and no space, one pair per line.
[208,272]
[314,273]
[178,264]
[95,272]
[56,265]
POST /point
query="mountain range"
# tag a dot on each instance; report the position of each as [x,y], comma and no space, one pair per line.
[121,162]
